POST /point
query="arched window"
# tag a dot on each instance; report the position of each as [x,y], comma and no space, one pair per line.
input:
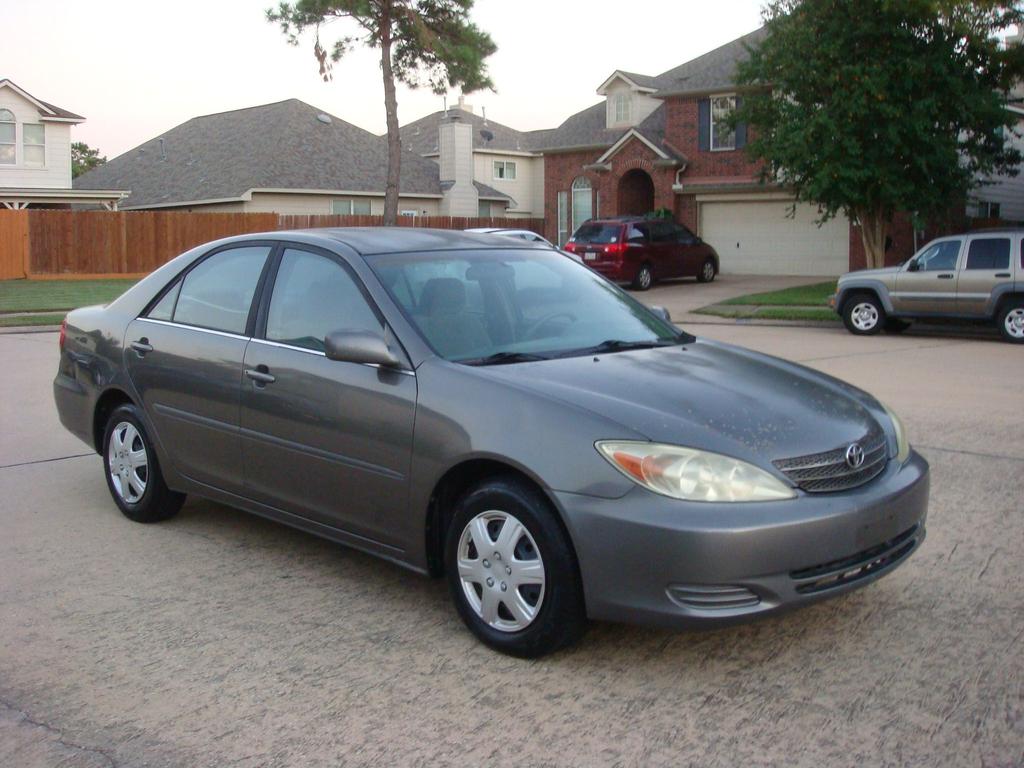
[7,140]
[582,201]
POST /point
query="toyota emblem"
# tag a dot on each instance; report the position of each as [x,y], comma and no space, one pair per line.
[854,456]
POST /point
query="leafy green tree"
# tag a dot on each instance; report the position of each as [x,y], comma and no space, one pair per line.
[421,42]
[870,107]
[84,158]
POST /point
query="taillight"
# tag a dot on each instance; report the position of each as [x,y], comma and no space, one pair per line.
[616,249]
[63,333]
[570,247]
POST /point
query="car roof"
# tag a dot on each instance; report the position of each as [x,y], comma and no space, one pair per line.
[374,240]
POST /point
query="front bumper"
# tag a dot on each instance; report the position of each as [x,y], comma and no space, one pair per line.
[648,559]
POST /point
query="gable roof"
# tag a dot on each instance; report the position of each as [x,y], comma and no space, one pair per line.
[288,145]
[711,71]
[47,111]
[420,136]
[587,129]
[641,82]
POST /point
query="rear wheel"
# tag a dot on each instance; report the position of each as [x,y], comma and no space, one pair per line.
[512,570]
[707,272]
[644,278]
[863,314]
[133,473]
[1011,321]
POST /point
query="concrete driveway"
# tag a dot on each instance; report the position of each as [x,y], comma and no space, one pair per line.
[219,639]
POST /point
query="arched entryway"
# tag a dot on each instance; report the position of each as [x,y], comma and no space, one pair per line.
[636,193]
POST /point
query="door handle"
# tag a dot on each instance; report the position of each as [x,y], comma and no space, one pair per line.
[945,277]
[142,346]
[261,377]
[1002,274]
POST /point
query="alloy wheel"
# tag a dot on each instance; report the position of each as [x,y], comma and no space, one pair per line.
[1014,323]
[645,278]
[501,571]
[864,316]
[708,272]
[128,462]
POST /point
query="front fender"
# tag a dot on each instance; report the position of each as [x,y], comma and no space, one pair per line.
[854,285]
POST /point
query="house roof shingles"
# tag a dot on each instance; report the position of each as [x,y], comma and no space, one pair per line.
[285,145]
[420,136]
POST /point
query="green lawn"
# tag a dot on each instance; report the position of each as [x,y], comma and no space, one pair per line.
[770,313]
[56,295]
[9,321]
[815,295]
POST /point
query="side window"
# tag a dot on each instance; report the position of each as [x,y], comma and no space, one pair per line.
[662,232]
[685,236]
[314,295]
[164,309]
[940,257]
[989,253]
[217,293]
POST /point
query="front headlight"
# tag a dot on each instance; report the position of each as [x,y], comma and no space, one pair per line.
[692,475]
[902,443]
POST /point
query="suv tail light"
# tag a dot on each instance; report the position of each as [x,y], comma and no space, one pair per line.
[63,333]
[616,250]
[570,247]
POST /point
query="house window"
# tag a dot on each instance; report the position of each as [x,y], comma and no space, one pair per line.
[505,169]
[33,137]
[563,217]
[7,143]
[483,210]
[722,135]
[409,214]
[357,207]
[987,210]
[582,201]
[623,105]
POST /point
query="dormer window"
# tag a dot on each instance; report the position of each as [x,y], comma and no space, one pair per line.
[34,143]
[723,136]
[622,105]
[8,143]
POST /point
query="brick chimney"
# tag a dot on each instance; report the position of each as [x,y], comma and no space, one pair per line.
[455,147]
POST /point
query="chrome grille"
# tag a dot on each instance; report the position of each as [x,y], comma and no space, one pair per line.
[828,471]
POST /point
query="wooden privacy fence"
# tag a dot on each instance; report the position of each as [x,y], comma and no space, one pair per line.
[46,244]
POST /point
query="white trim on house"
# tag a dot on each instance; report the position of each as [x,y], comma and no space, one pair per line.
[22,198]
[48,114]
[631,133]
[618,74]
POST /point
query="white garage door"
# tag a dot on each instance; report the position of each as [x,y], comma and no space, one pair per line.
[760,239]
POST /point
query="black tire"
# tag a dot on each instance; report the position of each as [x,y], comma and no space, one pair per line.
[707,271]
[863,314]
[1009,319]
[561,617]
[896,326]
[156,502]
[644,278]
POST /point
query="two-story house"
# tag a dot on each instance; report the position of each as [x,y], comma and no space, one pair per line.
[35,154]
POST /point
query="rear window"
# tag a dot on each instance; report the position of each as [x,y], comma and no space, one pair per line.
[598,233]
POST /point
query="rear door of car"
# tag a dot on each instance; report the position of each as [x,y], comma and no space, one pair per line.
[667,253]
[184,356]
[690,250]
[986,266]
[327,440]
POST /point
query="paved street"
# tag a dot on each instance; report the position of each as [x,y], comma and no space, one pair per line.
[220,639]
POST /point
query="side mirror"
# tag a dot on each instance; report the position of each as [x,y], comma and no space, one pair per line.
[662,313]
[368,347]
[913,267]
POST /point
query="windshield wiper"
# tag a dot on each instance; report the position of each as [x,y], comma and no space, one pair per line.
[500,358]
[618,345]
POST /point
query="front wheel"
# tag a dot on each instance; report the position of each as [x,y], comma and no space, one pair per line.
[863,314]
[133,474]
[1011,322]
[707,272]
[512,570]
[644,278]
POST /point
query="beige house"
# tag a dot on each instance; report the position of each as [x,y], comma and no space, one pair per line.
[291,158]
[35,154]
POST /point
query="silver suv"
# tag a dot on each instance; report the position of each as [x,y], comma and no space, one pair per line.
[977,276]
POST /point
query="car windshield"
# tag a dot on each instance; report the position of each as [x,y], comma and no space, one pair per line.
[597,233]
[488,307]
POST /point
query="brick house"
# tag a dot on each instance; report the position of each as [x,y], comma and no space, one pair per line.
[662,142]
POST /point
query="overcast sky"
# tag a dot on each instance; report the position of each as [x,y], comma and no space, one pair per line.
[136,68]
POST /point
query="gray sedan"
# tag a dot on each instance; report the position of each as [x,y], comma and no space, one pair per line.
[497,414]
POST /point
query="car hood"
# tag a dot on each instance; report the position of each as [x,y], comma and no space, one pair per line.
[711,396]
[880,272]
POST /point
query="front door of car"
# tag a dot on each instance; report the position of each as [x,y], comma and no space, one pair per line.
[986,266]
[184,357]
[927,284]
[324,439]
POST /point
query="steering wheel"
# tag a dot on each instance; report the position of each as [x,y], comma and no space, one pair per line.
[531,331]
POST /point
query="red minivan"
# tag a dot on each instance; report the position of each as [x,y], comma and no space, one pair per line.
[640,251]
